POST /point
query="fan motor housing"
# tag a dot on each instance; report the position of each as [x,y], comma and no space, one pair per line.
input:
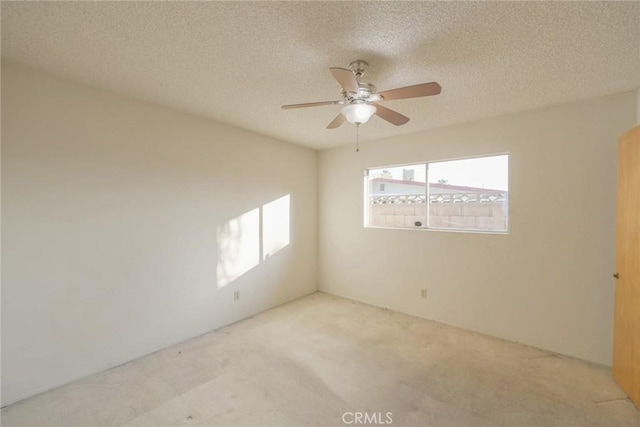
[365,90]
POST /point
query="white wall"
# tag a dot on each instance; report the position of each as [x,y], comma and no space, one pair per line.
[547,283]
[111,212]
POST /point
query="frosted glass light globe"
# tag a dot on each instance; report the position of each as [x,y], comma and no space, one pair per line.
[358,113]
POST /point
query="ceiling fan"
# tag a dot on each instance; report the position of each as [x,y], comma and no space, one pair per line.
[361,101]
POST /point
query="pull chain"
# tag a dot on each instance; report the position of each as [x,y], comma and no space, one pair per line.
[357,137]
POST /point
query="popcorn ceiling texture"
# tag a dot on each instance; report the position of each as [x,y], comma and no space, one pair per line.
[238,62]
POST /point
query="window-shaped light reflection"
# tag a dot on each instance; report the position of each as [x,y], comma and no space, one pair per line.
[275,226]
[238,247]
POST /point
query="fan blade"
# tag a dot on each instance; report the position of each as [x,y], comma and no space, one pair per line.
[311,104]
[337,122]
[391,116]
[424,89]
[346,79]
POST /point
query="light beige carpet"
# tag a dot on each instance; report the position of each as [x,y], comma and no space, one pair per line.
[327,361]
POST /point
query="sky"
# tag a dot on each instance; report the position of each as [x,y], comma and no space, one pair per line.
[484,172]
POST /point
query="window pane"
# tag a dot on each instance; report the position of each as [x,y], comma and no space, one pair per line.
[470,194]
[397,197]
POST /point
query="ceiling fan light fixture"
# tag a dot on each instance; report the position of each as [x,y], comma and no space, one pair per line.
[358,113]
[361,99]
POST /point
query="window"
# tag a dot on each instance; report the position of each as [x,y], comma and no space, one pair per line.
[462,195]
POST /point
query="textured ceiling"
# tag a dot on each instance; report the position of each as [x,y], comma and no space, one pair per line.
[238,62]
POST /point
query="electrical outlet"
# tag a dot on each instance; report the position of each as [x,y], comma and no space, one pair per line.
[423,293]
[236,295]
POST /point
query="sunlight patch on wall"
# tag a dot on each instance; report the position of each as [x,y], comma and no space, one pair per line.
[248,239]
[238,247]
[275,226]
